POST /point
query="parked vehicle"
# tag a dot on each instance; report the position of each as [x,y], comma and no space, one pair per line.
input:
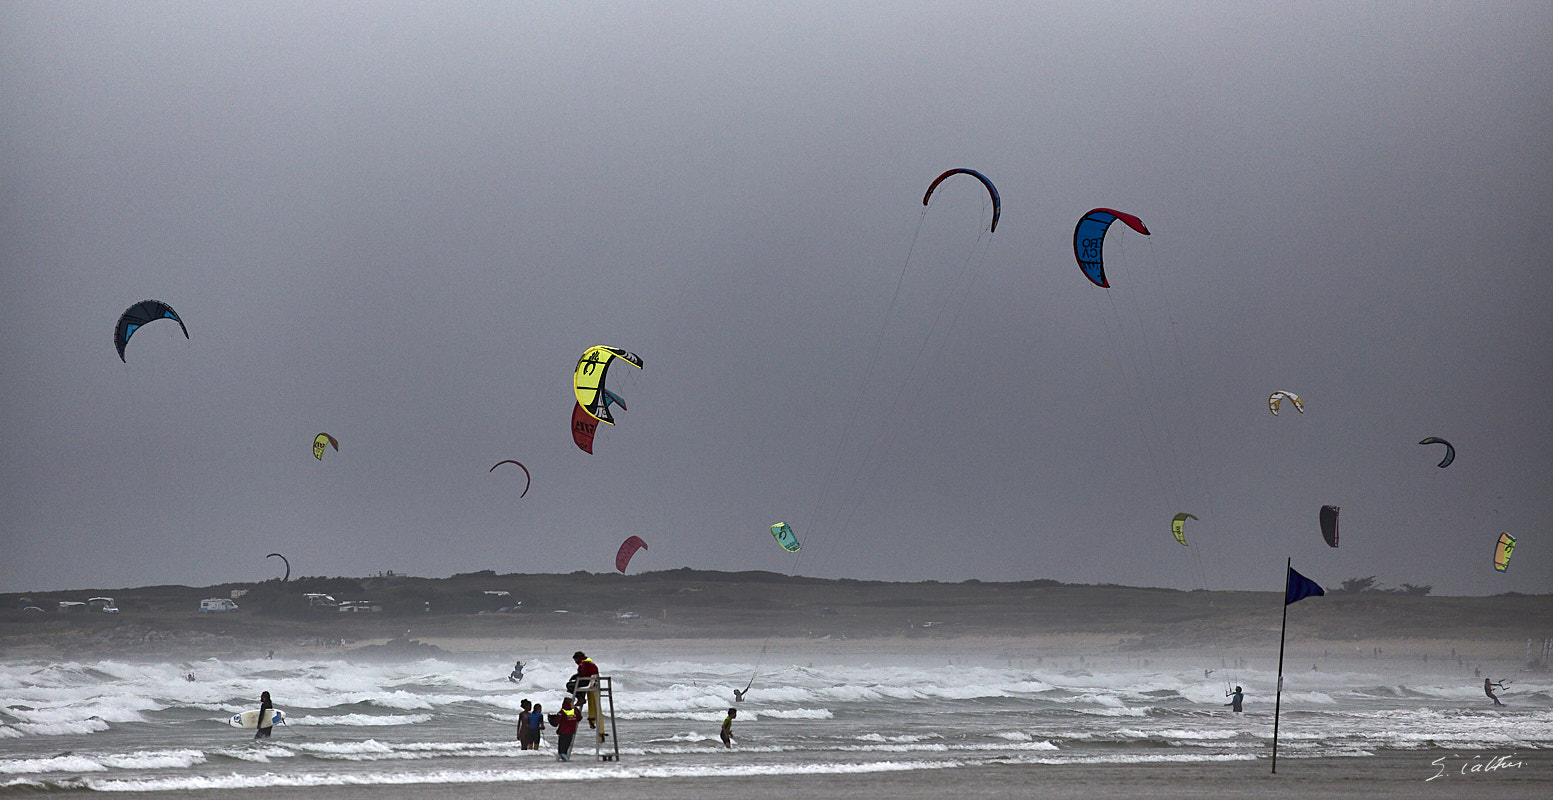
[217,605]
[103,604]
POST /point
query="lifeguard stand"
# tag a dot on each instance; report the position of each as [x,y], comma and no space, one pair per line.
[601,710]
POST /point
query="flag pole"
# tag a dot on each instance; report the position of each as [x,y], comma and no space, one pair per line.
[1278,695]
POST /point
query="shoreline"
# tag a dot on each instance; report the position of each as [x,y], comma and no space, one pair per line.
[1423,774]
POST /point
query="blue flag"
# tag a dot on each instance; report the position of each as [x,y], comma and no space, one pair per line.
[1300,587]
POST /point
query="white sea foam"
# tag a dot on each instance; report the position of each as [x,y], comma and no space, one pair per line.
[74,727]
[261,755]
[87,762]
[794,713]
[1118,711]
[368,747]
[53,711]
[879,737]
[1177,734]
[1141,758]
[588,773]
[359,720]
[155,759]
[36,766]
[894,748]
[376,723]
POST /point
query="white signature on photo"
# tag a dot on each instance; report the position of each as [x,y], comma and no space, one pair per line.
[1476,765]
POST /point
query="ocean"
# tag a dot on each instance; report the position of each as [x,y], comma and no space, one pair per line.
[119,726]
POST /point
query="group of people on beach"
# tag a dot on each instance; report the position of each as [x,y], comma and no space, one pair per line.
[580,694]
[532,717]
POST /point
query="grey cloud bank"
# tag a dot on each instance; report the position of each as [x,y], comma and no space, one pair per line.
[401,224]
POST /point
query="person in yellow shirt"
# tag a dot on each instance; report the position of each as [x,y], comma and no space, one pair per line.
[727,732]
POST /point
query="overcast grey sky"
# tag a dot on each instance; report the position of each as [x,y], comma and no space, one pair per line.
[402,223]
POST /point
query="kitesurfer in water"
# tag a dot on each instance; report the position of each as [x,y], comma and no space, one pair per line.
[264,724]
[1235,699]
[738,695]
[1488,689]
[727,732]
[517,672]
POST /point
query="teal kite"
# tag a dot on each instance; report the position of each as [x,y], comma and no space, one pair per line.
[784,536]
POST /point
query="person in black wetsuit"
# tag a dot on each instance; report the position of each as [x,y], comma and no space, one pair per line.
[1235,699]
[266,710]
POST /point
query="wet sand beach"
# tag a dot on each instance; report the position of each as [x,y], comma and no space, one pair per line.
[1383,777]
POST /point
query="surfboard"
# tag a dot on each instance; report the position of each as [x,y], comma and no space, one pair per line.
[250,719]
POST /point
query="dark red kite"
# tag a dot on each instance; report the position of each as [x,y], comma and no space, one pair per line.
[583,427]
[628,548]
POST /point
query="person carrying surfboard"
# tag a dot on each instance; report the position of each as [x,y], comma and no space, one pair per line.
[264,723]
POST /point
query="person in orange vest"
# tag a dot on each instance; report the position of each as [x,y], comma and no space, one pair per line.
[565,724]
